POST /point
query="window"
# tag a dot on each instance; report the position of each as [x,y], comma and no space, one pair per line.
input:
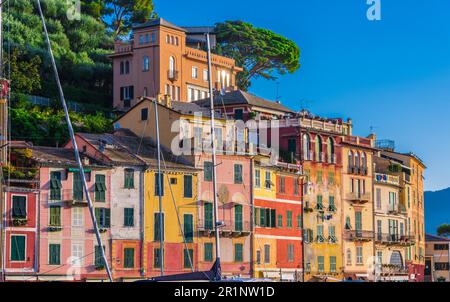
[55,185]
[359,255]
[441,266]
[188,227]
[380,257]
[348,225]
[238,252]
[332,234]
[157,227]
[205,75]
[290,252]
[331,204]
[77,254]
[299,221]
[128,217]
[207,171]
[103,217]
[280,220]
[19,207]
[188,255]
[171,67]
[145,64]
[258,257]
[333,264]
[127,67]
[441,247]
[100,188]
[330,150]
[147,38]
[358,221]
[267,182]
[319,205]
[129,179]
[141,39]
[319,177]
[77,187]
[159,180]
[54,254]
[351,163]
[157,258]
[238,224]
[98,259]
[122,67]
[330,178]
[296,186]
[349,257]
[208,252]
[17,252]
[77,217]
[306,144]
[289,219]
[187,186]
[208,215]
[321,264]
[266,253]
[319,155]
[378,194]
[379,230]
[144,114]
[238,114]
[238,174]
[320,236]
[55,216]
[128,258]
[195,72]
[257,178]
[282,184]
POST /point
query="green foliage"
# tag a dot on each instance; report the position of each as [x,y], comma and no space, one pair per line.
[444,230]
[121,14]
[47,127]
[261,52]
[80,48]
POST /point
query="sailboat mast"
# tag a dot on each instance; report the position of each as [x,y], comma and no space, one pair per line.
[213,147]
[160,183]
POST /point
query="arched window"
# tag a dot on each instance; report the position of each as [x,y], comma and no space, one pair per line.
[127,67]
[349,257]
[171,67]
[348,225]
[396,259]
[306,145]
[145,64]
[364,160]
[357,163]
[351,162]
[330,151]
[319,157]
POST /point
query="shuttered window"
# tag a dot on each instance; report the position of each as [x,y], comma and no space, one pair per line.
[129,179]
[54,254]
[207,171]
[128,217]
[161,180]
[19,207]
[289,219]
[157,258]
[157,233]
[321,264]
[103,217]
[358,221]
[333,264]
[208,208]
[238,224]
[188,227]
[208,252]
[290,253]
[98,260]
[77,187]
[237,174]
[187,186]
[188,257]
[55,216]
[55,185]
[17,248]
[100,188]
[128,255]
[280,220]
[266,253]
[238,252]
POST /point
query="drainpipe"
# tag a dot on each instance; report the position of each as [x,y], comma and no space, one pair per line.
[252,220]
[302,213]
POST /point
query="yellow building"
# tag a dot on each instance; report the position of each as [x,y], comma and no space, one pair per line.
[357,208]
[179,215]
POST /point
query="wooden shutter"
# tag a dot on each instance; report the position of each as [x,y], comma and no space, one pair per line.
[188,227]
[238,225]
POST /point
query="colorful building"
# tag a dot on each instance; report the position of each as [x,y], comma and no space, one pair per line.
[277,232]
[164,59]
[437,263]
[357,207]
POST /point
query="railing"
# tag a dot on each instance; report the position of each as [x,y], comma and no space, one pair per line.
[394,239]
[172,75]
[357,170]
[392,269]
[358,197]
[388,179]
[358,235]
[69,196]
[230,227]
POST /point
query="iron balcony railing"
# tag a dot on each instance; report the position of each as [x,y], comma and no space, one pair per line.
[358,235]
[75,197]
[230,227]
[392,269]
[394,239]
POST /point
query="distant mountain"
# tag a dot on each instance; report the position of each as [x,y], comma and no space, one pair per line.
[437,209]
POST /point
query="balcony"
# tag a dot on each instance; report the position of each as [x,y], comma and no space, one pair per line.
[19,221]
[72,197]
[394,239]
[358,235]
[172,75]
[392,269]
[226,228]
[359,198]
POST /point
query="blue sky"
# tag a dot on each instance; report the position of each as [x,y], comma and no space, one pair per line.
[392,75]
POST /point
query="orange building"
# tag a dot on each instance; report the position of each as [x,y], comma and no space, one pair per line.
[162,58]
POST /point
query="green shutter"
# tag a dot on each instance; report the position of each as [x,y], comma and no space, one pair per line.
[187,186]
[54,254]
[238,250]
[262,217]
[19,207]
[161,176]
[273,216]
[358,222]
[98,261]
[55,216]
[188,227]
[100,188]
[98,216]
[208,252]
[107,218]
[128,261]
[299,221]
[55,185]
[289,219]
[129,179]
[238,174]
[280,220]
[156,234]
[188,254]
[77,187]
[238,224]
[208,216]
[156,258]
[207,172]
[17,248]
[128,217]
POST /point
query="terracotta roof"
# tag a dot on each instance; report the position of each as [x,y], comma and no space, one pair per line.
[158,22]
[238,97]
[429,237]
[50,156]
